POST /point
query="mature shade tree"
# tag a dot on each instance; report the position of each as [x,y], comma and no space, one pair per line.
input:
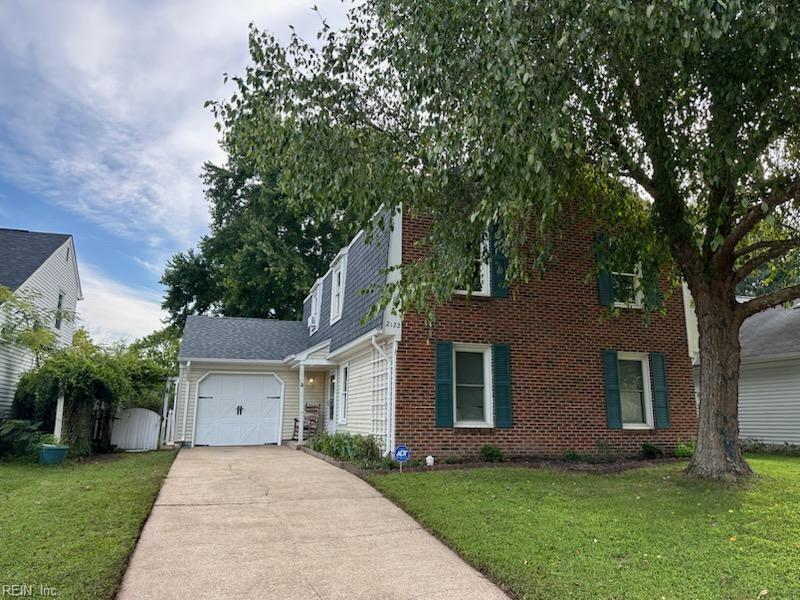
[262,254]
[190,287]
[498,115]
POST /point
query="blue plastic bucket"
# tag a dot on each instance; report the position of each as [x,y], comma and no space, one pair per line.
[52,454]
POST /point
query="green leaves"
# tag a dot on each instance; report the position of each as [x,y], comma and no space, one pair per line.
[496,113]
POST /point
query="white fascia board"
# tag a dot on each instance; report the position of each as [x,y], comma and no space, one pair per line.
[246,361]
[348,348]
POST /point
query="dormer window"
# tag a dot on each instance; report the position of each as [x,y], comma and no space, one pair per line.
[338,275]
[316,303]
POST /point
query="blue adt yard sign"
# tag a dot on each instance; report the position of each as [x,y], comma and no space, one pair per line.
[402,454]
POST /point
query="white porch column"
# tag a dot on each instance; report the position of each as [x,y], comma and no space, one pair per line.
[59,418]
[302,415]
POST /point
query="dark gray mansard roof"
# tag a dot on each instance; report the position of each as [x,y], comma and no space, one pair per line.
[771,333]
[227,338]
[22,252]
[241,339]
[366,263]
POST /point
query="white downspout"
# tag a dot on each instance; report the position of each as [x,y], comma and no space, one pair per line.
[186,400]
[389,396]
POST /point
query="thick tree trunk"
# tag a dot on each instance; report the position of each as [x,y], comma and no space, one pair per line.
[718,454]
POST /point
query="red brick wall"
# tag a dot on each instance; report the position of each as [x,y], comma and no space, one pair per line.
[556,329]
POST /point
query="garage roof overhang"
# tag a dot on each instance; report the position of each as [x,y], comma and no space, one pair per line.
[245,361]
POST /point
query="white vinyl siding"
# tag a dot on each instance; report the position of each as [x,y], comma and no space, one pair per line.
[55,276]
[769,401]
[366,390]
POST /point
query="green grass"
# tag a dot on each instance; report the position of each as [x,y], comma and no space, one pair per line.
[645,533]
[73,526]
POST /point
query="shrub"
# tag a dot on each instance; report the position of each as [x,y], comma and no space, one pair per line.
[345,446]
[491,454]
[384,463]
[684,449]
[607,452]
[651,451]
[18,438]
[453,460]
[572,455]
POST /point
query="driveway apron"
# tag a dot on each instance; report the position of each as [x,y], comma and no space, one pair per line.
[272,522]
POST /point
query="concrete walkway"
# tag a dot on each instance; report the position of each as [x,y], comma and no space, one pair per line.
[272,522]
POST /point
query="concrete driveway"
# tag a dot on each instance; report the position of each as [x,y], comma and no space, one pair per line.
[272,522]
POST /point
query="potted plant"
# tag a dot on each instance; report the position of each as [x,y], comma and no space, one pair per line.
[51,452]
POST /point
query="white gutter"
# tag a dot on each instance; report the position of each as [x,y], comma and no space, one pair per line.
[188,372]
[389,395]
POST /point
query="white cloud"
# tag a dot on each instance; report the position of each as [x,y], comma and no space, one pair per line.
[112,311]
[104,112]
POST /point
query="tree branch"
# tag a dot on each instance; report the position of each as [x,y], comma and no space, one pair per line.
[776,298]
[777,249]
[766,244]
[758,213]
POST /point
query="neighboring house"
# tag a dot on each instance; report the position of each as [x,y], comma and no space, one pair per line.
[769,377]
[537,369]
[44,263]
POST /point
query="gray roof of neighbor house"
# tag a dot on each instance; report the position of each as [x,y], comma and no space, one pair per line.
[241,339]
[771,333]
[22,252]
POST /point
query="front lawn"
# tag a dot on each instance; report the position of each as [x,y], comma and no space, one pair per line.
[645,533]
[72,527]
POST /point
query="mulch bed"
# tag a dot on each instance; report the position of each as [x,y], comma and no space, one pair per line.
[560,465]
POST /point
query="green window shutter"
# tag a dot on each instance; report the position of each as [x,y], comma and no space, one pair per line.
[444,384]
[652,290]
[501,366]
[499,264]
[658,372]
[605,282]
[611,373]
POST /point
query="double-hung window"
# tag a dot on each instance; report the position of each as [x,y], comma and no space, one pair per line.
[478,279]
[635,394]
[316,302]
[627,284]
[338,275]
[344,384]
[472,385]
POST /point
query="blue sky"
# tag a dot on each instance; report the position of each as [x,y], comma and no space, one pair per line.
[103,131]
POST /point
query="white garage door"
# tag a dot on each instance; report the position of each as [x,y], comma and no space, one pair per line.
[237,410]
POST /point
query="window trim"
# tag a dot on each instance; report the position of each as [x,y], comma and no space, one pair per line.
[488,386]
[638,290]
[644,359]
[486,273]
[316,306]
[343,385]
[339,266]
[59,321]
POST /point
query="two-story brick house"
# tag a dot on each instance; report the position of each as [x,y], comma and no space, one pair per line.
[536,369]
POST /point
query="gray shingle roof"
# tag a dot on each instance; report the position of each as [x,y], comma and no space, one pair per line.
[241,339]
[22,252]
[770,333]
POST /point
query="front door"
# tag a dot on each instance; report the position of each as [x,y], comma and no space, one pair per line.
[330,415]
